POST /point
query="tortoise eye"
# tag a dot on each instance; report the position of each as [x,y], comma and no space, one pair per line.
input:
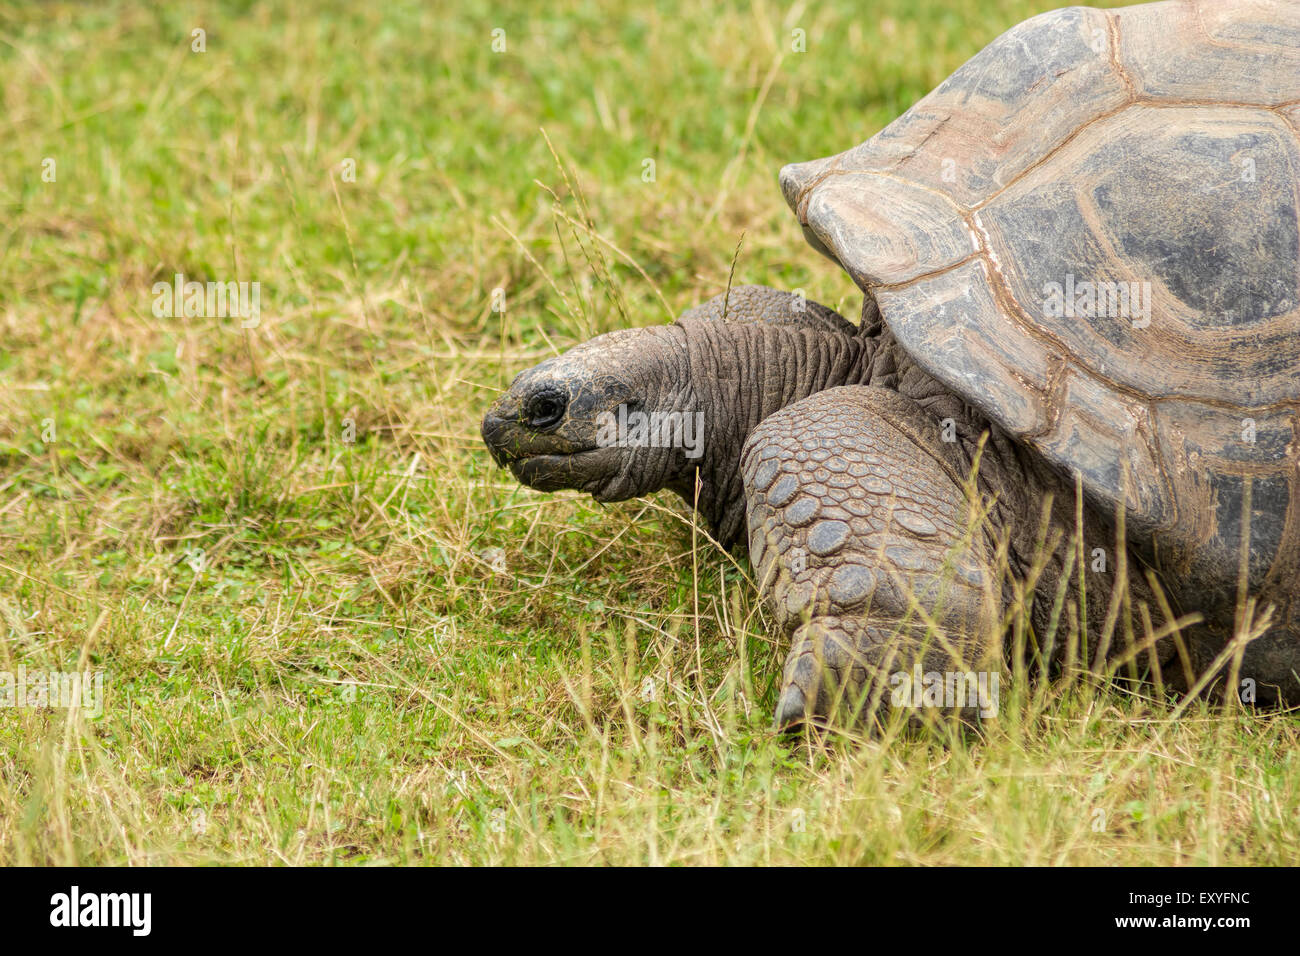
[545,409]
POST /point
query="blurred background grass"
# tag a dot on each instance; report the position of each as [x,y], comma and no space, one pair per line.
[319,650]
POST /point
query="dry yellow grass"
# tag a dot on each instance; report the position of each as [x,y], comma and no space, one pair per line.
[322,650]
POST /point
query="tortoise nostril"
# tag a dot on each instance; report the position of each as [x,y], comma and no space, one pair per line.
[491,430]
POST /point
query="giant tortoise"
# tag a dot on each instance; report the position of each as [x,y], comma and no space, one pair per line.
[1073,393]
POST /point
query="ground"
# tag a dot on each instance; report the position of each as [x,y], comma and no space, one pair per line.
[329,629]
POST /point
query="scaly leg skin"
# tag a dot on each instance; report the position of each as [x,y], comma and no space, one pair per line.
[862,538]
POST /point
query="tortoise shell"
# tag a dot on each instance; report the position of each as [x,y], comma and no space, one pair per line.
[1089,231]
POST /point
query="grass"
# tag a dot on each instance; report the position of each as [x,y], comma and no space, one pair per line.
[382,650]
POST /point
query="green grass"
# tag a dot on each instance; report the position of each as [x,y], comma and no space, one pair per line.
[321,651]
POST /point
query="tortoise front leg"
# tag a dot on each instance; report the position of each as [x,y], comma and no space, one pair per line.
[862,536]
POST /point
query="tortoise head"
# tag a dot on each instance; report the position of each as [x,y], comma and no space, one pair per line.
[614,417]
[670,406]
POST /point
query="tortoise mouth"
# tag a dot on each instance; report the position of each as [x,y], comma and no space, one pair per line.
[590,471]
[511,443]
[545,472]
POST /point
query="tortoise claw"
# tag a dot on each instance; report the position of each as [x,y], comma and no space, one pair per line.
[791,710]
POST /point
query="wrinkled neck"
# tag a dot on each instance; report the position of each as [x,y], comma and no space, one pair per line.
[740,373]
